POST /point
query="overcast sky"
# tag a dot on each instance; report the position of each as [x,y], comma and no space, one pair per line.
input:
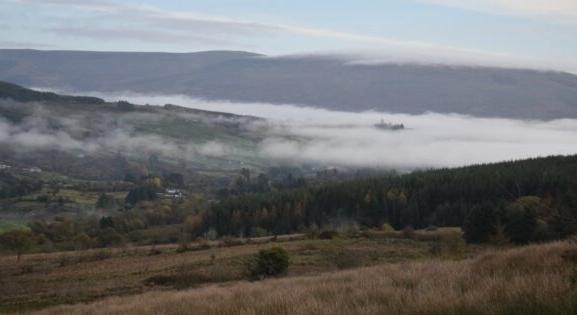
[535,32]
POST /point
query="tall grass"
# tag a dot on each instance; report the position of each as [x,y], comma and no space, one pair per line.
[538,279]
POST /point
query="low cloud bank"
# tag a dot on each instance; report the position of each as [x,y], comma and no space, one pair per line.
[42,129]
[296,135]
[304,134]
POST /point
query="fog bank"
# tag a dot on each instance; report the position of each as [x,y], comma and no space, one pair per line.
[304,134]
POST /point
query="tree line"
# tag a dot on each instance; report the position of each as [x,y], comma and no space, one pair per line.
[518,201]
[537,197]
[16,186]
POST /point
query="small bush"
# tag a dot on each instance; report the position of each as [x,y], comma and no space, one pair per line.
[101,255]
[183,243]
[312,233]
[230,241]
[259,232]
[348,259]
[499,238]
[328,234]
[179,281]
[408,232]
[269,262]
[42,198]
[388,228]
[154,251]
[353,232]
[26,269]
[203,245]
[183,248]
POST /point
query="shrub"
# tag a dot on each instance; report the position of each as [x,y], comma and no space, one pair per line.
[328,234]
[42,198]
[388,228]
[110,236]
[543,232]
[179,281]
[141,193]
[480,224]
[83,241]
[154,251]
[183,243]
[348,259]
[522,221]
[269,262]
[259,232]
[499,238]
[230,241]
[312,234]
[204,244]
[182,248]
[100,255]
[408,232]
[353,232]
[18,241]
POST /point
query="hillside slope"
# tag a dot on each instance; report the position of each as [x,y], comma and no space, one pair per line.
[491,283]
[326,82]
[88,138]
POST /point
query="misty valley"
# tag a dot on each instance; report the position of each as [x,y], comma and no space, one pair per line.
[395,176]
[116,180]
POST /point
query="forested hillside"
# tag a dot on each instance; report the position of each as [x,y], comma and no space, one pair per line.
[524,200]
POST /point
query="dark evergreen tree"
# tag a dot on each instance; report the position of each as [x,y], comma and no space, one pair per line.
[480,224]
[521,220]
[141,193]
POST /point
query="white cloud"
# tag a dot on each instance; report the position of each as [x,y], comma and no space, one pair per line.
[301,134]
[150,24]
[551,8]
[24,44]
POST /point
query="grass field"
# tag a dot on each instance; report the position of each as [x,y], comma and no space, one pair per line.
[367,273]
[41,280]
[537,279]
[32,207]
[8,225]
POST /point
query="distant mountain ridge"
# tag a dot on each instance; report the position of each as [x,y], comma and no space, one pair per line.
[21,94]
[317,81]
[11,91]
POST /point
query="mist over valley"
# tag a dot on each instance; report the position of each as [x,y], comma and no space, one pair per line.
[296,157]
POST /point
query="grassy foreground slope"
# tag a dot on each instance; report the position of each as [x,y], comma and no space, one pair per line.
[47,279]
[537,279]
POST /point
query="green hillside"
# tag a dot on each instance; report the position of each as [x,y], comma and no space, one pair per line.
[62,152]
[92,137]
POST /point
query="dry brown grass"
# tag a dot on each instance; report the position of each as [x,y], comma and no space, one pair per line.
[538,279]
[43,280]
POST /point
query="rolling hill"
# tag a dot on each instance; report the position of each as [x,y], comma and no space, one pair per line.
[326,82]
[60,153]
[88,138]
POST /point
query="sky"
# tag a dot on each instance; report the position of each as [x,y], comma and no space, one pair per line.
[536,33]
